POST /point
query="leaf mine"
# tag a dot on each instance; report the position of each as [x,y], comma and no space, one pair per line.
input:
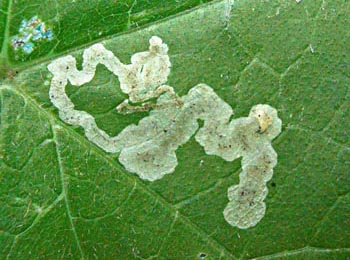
[149,148]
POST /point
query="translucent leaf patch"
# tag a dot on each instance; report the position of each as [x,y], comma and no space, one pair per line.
[30,32]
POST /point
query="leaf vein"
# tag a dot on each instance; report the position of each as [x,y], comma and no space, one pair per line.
[325,216]
[114,211]
[298,251]
[64,190]
[6,31]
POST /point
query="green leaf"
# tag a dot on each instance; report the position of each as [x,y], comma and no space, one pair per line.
[63,197]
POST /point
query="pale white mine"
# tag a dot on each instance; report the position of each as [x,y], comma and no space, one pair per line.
[148,148]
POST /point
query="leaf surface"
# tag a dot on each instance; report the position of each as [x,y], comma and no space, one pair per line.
[61,197]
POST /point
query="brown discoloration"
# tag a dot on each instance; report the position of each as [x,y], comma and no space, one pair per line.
[264,119]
